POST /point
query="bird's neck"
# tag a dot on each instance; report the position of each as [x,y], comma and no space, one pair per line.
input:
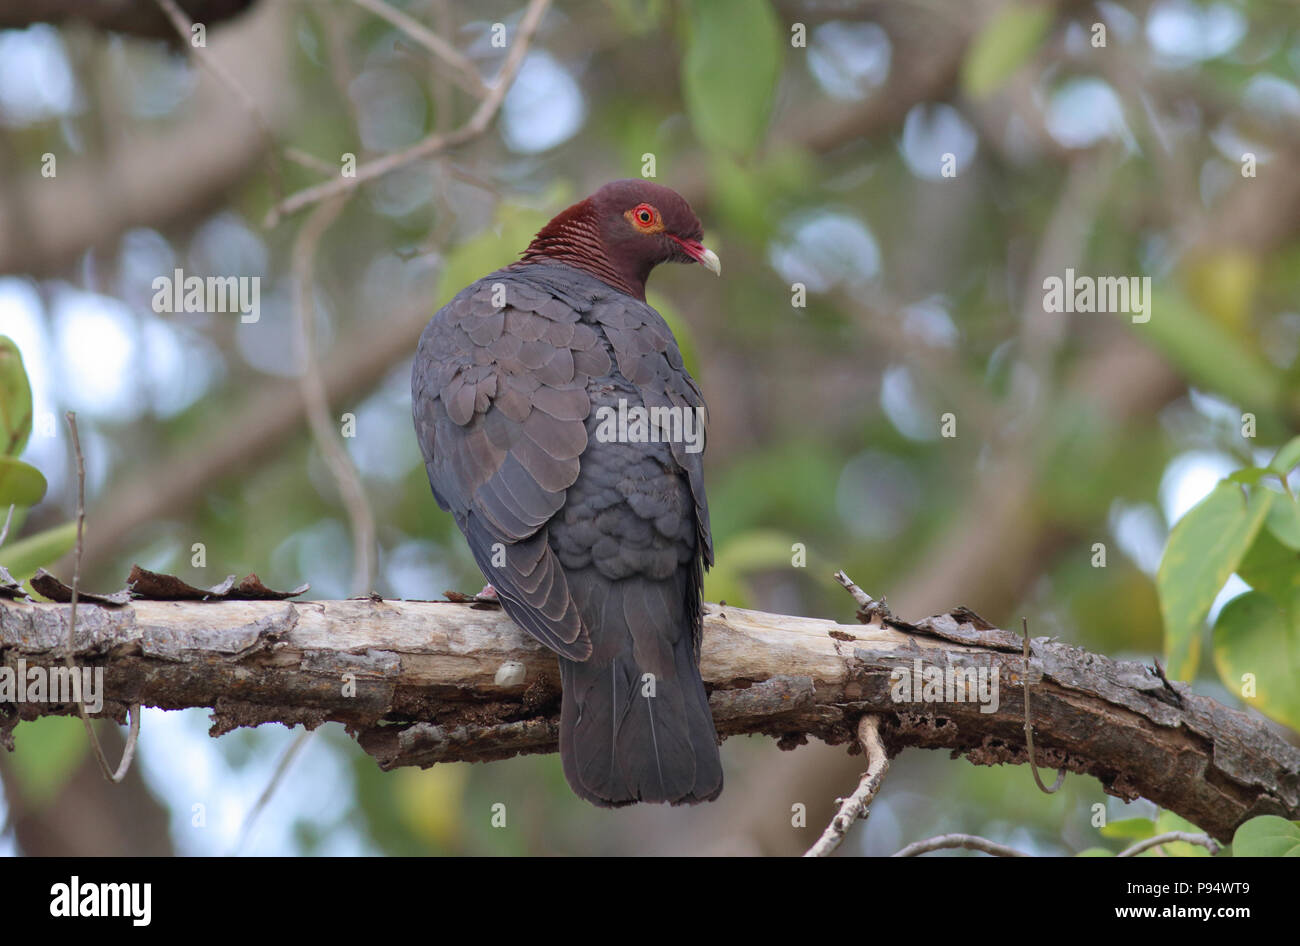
[574,238]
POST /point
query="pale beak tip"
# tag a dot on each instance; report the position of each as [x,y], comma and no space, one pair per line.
[709,260]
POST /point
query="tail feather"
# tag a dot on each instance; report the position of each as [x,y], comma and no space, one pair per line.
[626,737]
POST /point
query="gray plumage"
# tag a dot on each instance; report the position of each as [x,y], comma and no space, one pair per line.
[604,543]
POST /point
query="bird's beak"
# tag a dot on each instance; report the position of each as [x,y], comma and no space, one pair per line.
[701,254]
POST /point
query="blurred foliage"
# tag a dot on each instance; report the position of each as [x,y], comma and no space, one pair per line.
[920,297]
[46,751]
[727,84]
[1005,43]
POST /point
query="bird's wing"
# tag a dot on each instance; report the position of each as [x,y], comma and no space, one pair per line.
[499,398]
[647,355]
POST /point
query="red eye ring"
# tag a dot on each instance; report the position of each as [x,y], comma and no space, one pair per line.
[644,214]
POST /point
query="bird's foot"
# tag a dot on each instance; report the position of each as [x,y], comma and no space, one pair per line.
[488,594]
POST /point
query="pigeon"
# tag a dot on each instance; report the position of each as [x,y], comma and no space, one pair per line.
[563,433]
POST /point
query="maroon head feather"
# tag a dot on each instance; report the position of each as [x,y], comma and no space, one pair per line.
[622,232]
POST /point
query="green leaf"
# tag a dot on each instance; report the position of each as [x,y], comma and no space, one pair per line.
[1287,458]
[1284,521]
[23,557]
[1255,635]
[1271,567]
[1204,549]
[15,400]
[1267,836]
[1006,43]
[1134,829]
[1250,475]
[729,72]
[21,484]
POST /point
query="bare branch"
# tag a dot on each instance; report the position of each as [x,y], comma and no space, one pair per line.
[281,770]
[184,28]
[304,159]
[129,752]
[151,174]
[462,71]
[863,599]
[416,684]
[969,841]
[869,609]
[435,143]
[1204,840]
[315,397]
[855,807]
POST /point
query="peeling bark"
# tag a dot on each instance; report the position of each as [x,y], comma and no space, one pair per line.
[417,683]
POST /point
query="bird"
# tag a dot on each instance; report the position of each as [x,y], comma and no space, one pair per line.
[593,533]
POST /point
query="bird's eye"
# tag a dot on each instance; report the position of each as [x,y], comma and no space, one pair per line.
[644,215]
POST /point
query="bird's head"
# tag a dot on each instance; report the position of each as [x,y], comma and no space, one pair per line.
[622,232]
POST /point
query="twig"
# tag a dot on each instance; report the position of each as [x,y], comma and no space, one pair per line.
[281,769]
[314,395]
[129,752]
[1029,726]
[462,71]
[1204,840]
[439,91]
[863,599]
[868,607]
[4,531]
[856,805]
[303,159]
[969,841]
[183,26]
[477,124]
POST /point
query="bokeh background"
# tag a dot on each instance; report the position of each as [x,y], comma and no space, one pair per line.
[820,164]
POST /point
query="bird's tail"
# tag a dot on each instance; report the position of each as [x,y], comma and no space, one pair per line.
[635,723]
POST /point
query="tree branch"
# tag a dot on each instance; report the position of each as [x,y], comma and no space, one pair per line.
[969,841]
[856,807]
[149,177]
[461,71]
[417,683]
[477,124]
